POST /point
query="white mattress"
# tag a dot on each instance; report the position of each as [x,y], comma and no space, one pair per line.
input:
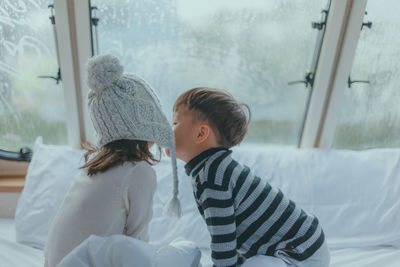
[351,257]
[366,257]
[13,254]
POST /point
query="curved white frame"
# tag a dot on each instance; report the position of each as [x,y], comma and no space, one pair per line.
[335,61]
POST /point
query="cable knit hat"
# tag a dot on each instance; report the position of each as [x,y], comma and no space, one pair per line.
[124,106]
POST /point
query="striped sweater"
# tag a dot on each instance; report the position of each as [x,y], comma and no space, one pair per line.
[247,216]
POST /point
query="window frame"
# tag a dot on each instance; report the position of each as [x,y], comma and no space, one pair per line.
[321,117]
[74,42]
[337,54]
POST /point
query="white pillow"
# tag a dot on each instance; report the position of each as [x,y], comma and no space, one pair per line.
[354,194]
[50,174]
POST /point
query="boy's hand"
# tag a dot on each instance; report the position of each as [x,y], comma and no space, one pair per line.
[168,152]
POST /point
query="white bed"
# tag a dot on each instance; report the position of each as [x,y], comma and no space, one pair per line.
[13,254]
[354,195]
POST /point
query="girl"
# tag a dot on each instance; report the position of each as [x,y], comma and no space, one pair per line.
[113,193]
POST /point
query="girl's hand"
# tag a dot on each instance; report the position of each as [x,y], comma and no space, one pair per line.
[168,152]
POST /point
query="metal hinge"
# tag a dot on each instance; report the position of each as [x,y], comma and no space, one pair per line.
[53,22]
[308,80]
[350,82]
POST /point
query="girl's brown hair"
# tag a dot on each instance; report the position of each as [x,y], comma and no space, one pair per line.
[116,153]
[226,115]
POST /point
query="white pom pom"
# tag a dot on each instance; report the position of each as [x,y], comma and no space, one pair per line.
[103,71]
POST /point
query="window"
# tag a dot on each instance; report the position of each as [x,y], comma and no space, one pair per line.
[250,48]
[371,114]
[29,106]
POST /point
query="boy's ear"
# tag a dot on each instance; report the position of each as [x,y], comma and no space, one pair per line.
[203,133]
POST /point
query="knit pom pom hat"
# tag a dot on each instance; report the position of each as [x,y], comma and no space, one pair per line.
[124,106]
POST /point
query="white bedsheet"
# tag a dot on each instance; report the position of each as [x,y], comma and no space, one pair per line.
[13,254]
[120,250]
[350,257]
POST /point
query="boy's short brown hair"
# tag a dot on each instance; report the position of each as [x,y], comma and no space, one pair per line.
[226,116]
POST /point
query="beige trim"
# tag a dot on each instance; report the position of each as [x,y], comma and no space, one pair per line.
[322,73]
[84,44]
[8,204]
[12,176]
[67,72]
[10,168]
[13,184]
[74,42]
[343,69]
[338,53]
[334,64]
[76,67]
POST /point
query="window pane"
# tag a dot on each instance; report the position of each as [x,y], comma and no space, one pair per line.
[250,48]
[29,106]
[371,114]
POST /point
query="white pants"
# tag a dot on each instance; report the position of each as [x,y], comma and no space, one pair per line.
[124,251]
[320,258]
[261,260]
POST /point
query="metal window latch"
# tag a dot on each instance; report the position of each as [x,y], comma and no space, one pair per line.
[53,22]
[350,82]
[57,78]
[95,21]
[317,25]
[308,80]
[320,25]
[366,24]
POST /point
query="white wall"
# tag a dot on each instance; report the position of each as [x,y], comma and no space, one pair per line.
[8,204]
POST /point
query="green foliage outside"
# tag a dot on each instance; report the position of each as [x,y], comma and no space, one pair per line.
[24,128]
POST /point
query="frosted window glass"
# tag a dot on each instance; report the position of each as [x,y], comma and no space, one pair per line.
[371,114]
[29,106]
[250,48]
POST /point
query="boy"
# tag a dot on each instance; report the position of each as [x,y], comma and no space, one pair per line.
[245,216]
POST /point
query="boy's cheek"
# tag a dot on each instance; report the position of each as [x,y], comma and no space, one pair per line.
[180,147]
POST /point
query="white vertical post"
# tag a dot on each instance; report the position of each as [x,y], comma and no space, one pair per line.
[335,102]
[337,53]
[84,45]
[74,42]
[67,72]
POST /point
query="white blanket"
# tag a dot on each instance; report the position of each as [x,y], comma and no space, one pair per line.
[349,257]
[13,254]
[124,251]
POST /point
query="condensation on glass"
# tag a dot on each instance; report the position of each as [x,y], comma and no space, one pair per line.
[29,106]
[250,48]
[371,115]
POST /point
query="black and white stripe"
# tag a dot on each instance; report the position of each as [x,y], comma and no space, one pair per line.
[247,216]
